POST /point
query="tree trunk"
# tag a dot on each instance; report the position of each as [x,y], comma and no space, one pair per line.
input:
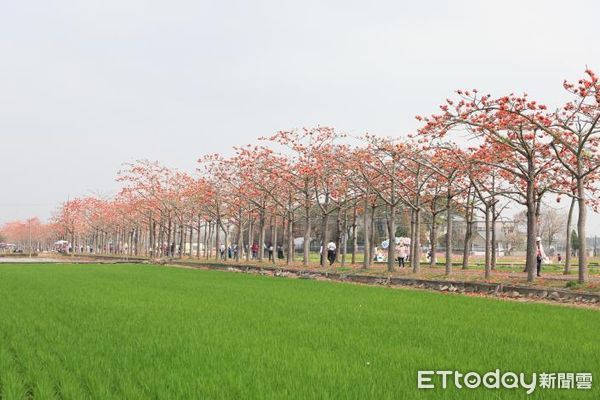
[530,264]
[367,246]
[306,244]
[261,235]
[239,240]
[217,239]
[494,239]
[137,242]
[433,239]
[226,241]
[417,254]
[207,235]
[153,239]
[468,231]
[372,234]
[190,253]
[291,247]
[338,235]
[354,239]
[169,234]
[161,237]
[412,239]
[344,239]
[581,231]
[274,240]
[250,240]
[448,233]
[487,242]
[198,238]
[324,238]
[391,224]
[181,240]
[205,241]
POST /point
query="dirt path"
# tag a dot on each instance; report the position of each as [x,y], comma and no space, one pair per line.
[26,260]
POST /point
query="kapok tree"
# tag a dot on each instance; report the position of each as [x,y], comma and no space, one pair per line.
[307,146]
[486,183]
[389,168]
[274,177]
[160,188]
[214,195]
[265,178]
[511,126]
[575,133]
[70,218]
[330,186]
[434,204]
[362,177]
[28,234]
[447,162]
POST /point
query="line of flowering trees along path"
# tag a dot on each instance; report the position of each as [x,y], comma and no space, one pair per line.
[317,183]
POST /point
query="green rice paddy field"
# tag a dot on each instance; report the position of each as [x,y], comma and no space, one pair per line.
[148,332]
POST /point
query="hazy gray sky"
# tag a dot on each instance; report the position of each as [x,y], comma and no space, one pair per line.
[87,85]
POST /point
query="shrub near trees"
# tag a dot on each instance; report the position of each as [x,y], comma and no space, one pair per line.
[332,188]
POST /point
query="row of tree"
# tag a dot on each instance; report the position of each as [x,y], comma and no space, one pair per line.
[519,152]
[27,236]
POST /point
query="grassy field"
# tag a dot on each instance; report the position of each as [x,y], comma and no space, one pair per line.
[131,331]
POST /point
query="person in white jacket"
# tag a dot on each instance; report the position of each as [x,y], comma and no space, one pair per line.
[401,254]
[540,256]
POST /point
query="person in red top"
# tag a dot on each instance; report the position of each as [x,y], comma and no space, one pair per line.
[254,251]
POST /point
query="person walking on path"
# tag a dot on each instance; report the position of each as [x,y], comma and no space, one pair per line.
[331,247]
[540,256]
[254,251]
[222,250]
[270,251]
[401,252]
